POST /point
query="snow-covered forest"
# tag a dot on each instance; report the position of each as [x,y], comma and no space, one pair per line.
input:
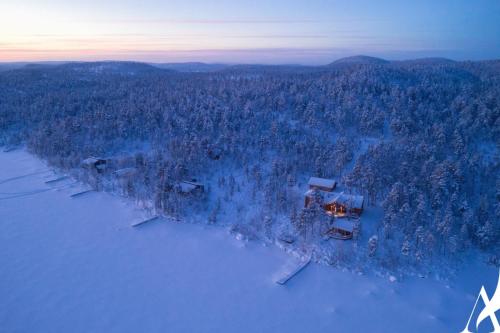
[419,139]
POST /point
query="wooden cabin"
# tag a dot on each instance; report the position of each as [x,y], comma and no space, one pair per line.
[341,204]
[191,187]
[336,204]
[322,184]
[94,163]
[342,229]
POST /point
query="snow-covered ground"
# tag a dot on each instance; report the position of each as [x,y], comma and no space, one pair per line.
[77,265]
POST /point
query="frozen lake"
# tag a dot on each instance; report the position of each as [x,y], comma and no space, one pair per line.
[76,265]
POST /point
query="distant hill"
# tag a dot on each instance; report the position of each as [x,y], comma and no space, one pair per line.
[426,61]
[111,67]
[272,69]
[359,60]
[16,65]
[191,66]
[7,67]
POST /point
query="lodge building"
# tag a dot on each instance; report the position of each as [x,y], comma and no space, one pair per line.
[335,204]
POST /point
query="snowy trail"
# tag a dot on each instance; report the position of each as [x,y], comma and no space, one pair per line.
[77,266]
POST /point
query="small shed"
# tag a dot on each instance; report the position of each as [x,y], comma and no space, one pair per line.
[96,163]
[342,229]
[322,184]
[191,187]
[344,204]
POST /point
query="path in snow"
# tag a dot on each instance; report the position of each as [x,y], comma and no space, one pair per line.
[77,265]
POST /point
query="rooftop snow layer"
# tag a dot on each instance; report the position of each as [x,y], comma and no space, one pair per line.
[349,200]
[322,182]
[187,186]
[344,224]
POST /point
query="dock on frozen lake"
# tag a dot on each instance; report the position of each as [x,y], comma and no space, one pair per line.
[74,195]
[9,149]
[291,274]
[55,180]
[154,218]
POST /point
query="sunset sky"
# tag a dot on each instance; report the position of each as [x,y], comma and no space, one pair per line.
[257,31]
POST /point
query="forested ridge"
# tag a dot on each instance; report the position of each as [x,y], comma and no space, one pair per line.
[418,139]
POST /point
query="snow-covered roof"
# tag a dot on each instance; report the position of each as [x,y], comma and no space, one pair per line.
[309,193]
[344,224]
[348,200]
[92,160]
[322,182]
[187,186]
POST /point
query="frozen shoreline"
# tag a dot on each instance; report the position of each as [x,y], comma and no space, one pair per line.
[77,265]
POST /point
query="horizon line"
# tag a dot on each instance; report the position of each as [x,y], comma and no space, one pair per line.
[166,61]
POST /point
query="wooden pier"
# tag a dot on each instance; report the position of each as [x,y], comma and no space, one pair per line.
[74,195]
[294,272]
[154,218]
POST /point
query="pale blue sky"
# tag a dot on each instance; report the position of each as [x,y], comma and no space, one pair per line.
[309,32]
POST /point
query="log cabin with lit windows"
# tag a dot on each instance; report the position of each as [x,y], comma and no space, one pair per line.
[343,207]
[341,204]
[337,204]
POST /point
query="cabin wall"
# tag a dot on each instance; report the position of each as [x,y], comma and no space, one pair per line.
[335,208]
[321,188]
[307,201]
[357,211]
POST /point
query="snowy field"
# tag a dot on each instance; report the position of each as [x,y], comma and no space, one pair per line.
[77,265]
